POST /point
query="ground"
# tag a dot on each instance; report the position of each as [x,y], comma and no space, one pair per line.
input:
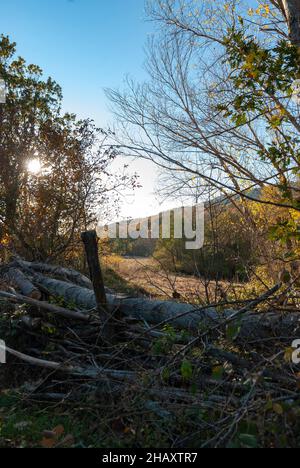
[232,393]
[149,277]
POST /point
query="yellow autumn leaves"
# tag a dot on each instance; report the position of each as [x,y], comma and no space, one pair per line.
[263,10]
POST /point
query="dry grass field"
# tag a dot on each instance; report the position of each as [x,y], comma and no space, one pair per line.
[148,276]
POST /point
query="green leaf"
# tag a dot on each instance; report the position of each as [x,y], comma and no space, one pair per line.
[186,370]
[166,374]
[233,331]
[248,441]
[218,373]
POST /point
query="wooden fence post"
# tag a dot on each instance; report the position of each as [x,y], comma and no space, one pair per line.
[90,241]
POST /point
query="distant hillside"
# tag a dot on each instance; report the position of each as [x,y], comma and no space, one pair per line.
[146,247]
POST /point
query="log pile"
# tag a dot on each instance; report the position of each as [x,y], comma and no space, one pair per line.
[235,359]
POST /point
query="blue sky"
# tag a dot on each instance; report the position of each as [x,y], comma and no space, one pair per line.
[86,45]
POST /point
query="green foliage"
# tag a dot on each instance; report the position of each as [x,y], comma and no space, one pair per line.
[187,370]
[224,255]
[284,231]
[233,330]
[245,441]
[165,344]
[263,79]
[132,248]
[65,196]
[218,372]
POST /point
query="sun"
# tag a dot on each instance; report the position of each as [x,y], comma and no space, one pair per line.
[34,166]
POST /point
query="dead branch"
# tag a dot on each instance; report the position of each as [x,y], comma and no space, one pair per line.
[45,306]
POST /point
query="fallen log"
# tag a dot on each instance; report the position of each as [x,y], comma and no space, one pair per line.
[183,315]
[56,271]
[233,317]
[82,298]
[186,316]
[17,278]
[39,305]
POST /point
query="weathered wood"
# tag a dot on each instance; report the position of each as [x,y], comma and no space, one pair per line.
[105,375]
[90,242]
[80,297]
[39,305]
[34,361]
[66,274]
[89,372]
[21,282]
[253,325]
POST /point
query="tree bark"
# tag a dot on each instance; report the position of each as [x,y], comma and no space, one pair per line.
[21,282]
[252,325]
[56,272]
[79,297]
[292,11]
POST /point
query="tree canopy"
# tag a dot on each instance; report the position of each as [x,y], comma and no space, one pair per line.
[74,179]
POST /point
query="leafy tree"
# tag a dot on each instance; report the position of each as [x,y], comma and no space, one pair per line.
[41,215]
[219,107]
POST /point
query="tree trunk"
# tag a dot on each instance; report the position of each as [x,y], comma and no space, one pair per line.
[67,274]
[252,325]
[292,10]
[82,298]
